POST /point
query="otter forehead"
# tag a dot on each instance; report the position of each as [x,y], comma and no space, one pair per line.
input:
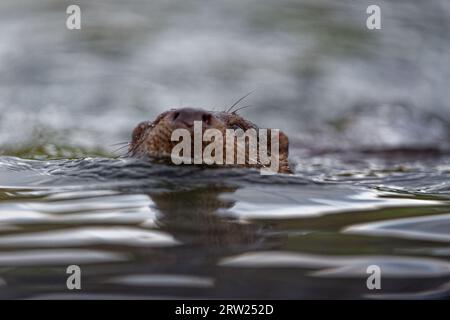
[186,116]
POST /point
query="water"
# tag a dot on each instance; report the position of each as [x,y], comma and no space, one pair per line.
[157,231]
[367,113]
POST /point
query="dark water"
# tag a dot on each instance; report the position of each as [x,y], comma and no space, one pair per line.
[156,231]
[367,114]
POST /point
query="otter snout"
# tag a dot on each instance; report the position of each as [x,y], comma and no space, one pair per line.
[185,117]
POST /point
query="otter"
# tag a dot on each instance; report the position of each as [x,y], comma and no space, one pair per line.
[152,139]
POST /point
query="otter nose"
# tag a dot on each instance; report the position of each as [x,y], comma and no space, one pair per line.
[187,116]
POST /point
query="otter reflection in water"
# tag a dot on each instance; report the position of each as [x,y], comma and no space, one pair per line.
[197,220]
[202,216]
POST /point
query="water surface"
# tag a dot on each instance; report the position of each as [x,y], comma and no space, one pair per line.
[139,230]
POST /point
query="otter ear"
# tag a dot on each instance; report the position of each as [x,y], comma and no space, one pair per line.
[284,143]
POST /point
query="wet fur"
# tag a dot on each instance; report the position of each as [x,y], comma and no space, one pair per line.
[153,138]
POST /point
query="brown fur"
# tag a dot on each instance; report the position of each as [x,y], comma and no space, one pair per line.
[152,139]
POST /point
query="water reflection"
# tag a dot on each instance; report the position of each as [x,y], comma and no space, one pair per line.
[151,231]
[56,257]
[194,216]
[429,228]
[342,266]
[165,280]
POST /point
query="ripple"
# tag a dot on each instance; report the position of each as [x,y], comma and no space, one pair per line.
[90,204]
[310,201]
[341,266]
[440,292]
[165,280]
[90,236]
[58,257]
[430,228]
[10,218]
[440,252]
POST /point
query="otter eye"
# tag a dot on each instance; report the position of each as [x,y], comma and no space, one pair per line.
[206,118]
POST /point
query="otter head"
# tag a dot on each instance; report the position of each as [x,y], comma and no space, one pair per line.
[153,138]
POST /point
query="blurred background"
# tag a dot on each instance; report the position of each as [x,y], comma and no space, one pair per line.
[315,70]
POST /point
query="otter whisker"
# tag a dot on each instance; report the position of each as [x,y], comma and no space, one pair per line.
[237,102]
[124,144]
[244,107]
[119,143]
[258,162]
[121,148]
